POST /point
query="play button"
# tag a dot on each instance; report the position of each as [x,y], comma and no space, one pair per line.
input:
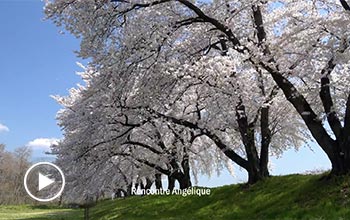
[44,181]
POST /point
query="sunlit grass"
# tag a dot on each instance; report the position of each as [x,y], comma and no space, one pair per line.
[38,213]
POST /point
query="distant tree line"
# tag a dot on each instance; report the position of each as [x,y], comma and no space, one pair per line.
[13,166]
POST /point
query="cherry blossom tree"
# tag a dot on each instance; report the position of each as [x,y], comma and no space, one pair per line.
[193,75]
[302,46]
[102,127]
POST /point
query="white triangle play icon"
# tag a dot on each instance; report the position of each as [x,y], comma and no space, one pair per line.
[44,181]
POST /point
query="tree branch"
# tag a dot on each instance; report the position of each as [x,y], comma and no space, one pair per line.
[188,21]
[143,5]
[326,98]
[143,161]
[345,5]
[227,151]
[103,142]
[347,117]
[247,133]
[136,143]
[259,25]
[223,28]
[303,108]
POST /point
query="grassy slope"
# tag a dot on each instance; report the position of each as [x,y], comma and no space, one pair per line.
[284,197]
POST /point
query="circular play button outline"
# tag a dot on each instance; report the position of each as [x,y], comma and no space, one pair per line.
[49,164]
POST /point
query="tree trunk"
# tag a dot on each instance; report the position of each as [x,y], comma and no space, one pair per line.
[124,193]
[337,150]
[265,141]
[257,171]
[118,193]
[185,182]
[142,185]
[149,183]
[340,158]
[247,132]
[171,182]
[254,175]
[158,181]
[129,190]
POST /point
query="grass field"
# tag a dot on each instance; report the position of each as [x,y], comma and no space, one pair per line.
[284,197]
[39,213]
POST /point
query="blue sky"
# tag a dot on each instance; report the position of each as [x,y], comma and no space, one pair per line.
[36,62]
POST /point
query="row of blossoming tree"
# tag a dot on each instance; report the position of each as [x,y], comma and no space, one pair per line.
[180,88]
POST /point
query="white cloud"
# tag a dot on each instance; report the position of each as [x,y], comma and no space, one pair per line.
[42,143]
[4,128]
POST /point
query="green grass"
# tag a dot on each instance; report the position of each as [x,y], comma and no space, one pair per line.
[38,213]
[283,197]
